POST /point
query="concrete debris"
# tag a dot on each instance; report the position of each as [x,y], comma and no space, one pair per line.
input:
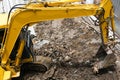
[67,58]
[39,43]
[71,46]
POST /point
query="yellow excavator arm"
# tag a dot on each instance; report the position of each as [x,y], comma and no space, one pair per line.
[42,11]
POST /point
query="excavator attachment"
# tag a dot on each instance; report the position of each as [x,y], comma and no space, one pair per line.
[104,58]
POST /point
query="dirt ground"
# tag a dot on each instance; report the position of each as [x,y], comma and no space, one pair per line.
[71,44]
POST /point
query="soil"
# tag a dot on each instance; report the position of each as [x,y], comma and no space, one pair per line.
[71,44]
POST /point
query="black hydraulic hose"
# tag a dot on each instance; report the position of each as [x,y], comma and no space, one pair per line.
[14,7]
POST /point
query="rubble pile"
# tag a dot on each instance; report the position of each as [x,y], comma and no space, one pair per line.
[71,44]
[71,39]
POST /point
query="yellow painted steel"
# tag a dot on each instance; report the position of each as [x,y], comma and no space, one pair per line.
[25,16]
[60,0]
[9,68]
[3,20]
[27,60]
[66,0]
[105,17]
[4,75]
[34,13]
[19,54]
